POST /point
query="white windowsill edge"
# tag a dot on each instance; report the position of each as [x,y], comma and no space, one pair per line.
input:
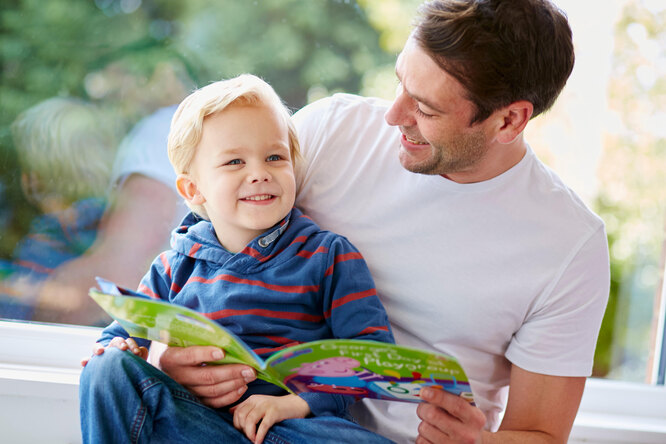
[40,366]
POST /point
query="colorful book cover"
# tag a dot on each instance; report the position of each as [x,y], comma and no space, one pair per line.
[363,369]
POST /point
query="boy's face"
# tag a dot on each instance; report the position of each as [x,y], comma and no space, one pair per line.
[242,173]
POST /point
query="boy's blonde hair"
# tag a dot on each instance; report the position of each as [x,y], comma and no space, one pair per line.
[187,122]
[65,148]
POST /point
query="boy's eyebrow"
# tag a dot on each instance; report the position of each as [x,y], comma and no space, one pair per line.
[423,100]
[280,145]
[240,149]
[230,151]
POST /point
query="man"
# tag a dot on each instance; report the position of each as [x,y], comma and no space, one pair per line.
[484,253]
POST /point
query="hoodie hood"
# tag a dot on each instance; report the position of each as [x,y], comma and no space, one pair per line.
[196,238]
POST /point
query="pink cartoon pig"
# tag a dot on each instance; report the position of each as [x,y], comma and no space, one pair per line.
[334,367]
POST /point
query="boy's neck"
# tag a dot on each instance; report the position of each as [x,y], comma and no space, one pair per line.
[235,242]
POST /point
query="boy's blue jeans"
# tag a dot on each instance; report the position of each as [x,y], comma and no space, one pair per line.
[125,399]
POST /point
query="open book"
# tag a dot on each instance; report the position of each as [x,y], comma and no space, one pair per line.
[364,369]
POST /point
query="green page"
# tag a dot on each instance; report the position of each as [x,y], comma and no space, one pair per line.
[178,326]
[364,369]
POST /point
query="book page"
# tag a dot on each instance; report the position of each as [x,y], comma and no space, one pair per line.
[368,369]
[173,325]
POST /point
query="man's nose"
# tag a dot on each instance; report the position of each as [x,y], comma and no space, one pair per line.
[401,111]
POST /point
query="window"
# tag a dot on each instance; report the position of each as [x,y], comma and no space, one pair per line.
[115,62]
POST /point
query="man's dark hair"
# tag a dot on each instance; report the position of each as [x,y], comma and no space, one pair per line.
[501,51]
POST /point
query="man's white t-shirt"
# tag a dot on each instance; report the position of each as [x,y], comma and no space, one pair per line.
[144,150]
[510,270]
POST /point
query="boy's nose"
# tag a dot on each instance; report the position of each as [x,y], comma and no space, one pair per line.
[259,174]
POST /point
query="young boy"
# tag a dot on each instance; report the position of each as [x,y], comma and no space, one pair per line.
[249,260]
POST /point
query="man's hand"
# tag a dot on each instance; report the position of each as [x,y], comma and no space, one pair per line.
[266,410]
[215,385]
[447,418]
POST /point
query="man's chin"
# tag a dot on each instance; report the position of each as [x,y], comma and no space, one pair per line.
[415,165]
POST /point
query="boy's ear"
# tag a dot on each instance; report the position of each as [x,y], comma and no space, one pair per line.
[188,190]
[515,117]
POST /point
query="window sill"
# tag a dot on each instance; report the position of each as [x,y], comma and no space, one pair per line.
[40,366]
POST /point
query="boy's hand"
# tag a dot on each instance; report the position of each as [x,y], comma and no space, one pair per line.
[268,410]
[121,343]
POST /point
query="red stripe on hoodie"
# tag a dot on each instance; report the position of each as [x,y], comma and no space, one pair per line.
[256,283]
[342,258]
[265,313]
[165,264]
[145,290]
[349,298]
[194,249]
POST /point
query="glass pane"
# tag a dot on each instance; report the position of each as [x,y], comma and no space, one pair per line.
[606,137]
[78,77]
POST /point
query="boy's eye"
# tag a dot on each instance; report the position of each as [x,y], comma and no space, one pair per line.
[235,162]
[273,158]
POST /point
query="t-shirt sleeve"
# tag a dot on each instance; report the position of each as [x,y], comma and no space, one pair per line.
[144,150]
[560,334]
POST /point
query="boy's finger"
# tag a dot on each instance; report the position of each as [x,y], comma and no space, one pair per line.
[264,426]
[118,342]
[143,352]
[131,343]
[250,429]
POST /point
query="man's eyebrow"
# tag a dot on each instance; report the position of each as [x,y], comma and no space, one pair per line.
[423,100]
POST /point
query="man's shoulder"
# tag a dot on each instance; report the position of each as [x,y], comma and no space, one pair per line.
[560,199]
[341,105]
[345,99]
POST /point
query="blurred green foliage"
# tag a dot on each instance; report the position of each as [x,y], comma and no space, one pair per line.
[137,55]
[632,197]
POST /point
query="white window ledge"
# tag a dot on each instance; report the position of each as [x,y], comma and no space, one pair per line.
[39,373]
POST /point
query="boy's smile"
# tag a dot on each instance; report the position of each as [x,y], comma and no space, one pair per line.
[242,173]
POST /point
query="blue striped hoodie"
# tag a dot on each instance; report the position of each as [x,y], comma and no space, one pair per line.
[294,283]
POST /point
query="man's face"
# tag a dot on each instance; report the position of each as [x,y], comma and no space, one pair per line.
[243,172]
[434,118]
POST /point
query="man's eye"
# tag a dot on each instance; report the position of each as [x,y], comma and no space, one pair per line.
[273,158]
[234,162]
[421,113]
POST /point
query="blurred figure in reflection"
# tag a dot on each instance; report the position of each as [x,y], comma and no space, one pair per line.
[65,149]
[143,205]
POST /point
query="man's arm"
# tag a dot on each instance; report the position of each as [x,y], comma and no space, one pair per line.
[540,409]
[134,230]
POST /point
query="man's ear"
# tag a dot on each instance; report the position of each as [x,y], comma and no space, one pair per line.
[515,117]
[188,190]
